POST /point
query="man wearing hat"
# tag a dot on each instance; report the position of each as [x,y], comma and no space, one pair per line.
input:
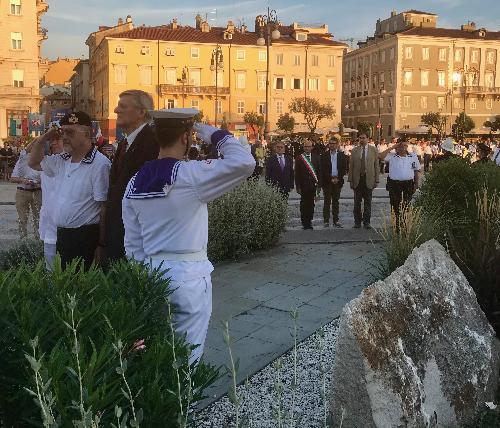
[166,218]
[448,151]
[483,154]
[81,175]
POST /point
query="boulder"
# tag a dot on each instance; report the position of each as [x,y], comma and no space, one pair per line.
[414,350]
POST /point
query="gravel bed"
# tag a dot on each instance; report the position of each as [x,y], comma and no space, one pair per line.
[259,394]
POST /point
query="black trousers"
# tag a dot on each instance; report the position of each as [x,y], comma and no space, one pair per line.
[115,235]
[332,195]
[307,207]
[362,193]
[78,242]
[427,162]
[400,194]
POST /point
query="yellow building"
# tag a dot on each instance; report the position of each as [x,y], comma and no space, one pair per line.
[411,67]
[173,64]
[59,72]
[20,44]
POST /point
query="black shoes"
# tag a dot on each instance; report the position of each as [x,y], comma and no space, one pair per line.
[357,226]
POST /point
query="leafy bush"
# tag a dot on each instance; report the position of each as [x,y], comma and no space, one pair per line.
[93,348]
[29,251]
[249,218]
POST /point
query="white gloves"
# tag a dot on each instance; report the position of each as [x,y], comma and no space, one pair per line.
[205,131]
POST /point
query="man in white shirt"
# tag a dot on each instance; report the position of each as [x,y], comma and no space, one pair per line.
[28,194]
[404,169]
[166,218]
[382,147]
[81,175]
[496,154]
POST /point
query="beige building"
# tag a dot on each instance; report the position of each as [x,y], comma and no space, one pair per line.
[20,44]
[59,72]
[80,87]
[411,67]
[174,64]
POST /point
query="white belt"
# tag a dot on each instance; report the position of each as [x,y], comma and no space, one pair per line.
[199,256]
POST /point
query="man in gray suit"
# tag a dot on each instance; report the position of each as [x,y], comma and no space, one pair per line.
[363,176]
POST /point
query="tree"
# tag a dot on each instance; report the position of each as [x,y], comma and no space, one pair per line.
[198,117]
[365,128]
[312,110]
[341,128]
[463,125]
[223,124]
[494,125]
[254,120]
[286,122]
[434,121]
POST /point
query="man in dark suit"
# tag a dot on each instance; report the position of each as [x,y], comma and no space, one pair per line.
[307,183]
[138,147]
[279,170]
[332,170]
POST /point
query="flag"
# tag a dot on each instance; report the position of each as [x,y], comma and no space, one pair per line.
[24,127]
[12,127]
[36,122]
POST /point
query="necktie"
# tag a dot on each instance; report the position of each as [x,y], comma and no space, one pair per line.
[282,163]
[120,154]
[363,161]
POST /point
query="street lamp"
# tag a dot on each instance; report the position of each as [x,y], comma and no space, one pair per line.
[216,63]
[464,74]
[183,80]
[381,91]
[268,28]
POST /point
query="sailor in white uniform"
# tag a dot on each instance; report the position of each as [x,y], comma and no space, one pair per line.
[166,218]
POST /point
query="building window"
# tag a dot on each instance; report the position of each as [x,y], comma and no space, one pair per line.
[170,52]
[120,49]
[120,74]
[391,77]
[240,107]
[171,76]
[240,55]
[279,83]
[313,84]
[195,104]
[390,103]
[145,50]
[240,80]
[261,81]
[331,84]
[261,107]
[15,7]
[473,104]
[297,83]
[441,79]
[458,55]
[423,102]
[145,73]
[18,78]
[456,103]
[195,53]
[475,56]
[406,101]
[382,78]
[409,52]
[218,106]
[262,56]
[489,104]
[424,78]
[382,56]
[365,104]
[407,77]
[195,76]
[17,40]
[489,79]
[425,53]
[315,60]
[440,103]
[279,59]
[490,57]
[296,60]
[374,103]
[279,107]
[442,54]
[301,37]
[381,101]
[219,75]
[170,103]
[331,60]
[391,54]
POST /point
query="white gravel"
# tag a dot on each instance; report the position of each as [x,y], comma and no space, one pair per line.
[260,394]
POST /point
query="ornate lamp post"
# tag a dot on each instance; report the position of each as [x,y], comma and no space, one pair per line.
[216,64]
[381,91]
[465,74]
[268,27]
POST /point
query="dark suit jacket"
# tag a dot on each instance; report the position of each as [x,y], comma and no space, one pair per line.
[282,179]
[304,181]
[144,148]
[326,167]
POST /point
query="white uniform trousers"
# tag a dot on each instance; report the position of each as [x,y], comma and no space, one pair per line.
[49,252]
[193,301]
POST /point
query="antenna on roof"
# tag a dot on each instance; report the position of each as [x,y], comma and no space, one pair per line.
[212,12]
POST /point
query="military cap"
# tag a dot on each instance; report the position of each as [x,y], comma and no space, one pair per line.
[76,118]
[174,117]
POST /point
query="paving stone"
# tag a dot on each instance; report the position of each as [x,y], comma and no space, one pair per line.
[227,309]
[268,291]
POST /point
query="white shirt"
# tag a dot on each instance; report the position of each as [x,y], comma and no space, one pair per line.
[496,156]
[361,152]
[132,136]
[428,150]
[81,187]
[333,158]
[175,221]
[47,227]
[402,168]
[382,147]
[22,170]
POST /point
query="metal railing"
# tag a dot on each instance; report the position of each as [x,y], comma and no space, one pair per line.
[166,89]
[479,90]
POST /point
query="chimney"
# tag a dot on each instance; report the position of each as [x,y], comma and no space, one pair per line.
[243,29]
[198,21]
[205,28]
[230,27]
[120,21]
[173,24]
[469,27]
[129,19]
[393,13]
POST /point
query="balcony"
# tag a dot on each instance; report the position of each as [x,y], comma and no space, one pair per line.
[480,90]
[41,6]
[166,89]
[15,91]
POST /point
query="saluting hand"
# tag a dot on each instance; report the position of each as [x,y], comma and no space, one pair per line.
[205,131]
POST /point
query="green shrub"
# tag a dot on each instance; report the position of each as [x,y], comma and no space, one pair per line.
[29,251]
[71,337]
[249,218]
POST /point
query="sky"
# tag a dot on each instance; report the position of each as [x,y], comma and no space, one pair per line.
[69,22]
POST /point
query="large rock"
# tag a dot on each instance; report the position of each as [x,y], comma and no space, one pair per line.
[414,350]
